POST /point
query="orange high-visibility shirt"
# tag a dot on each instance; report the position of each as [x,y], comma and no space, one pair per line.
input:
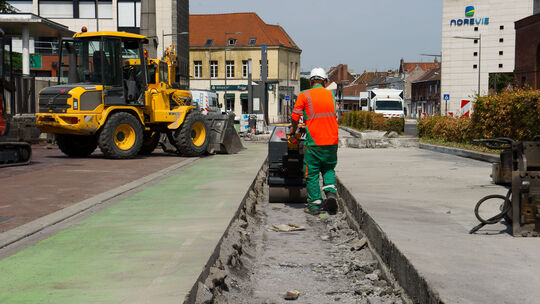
[319,110]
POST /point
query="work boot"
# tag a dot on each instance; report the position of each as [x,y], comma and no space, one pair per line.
[314,208]
[330,203]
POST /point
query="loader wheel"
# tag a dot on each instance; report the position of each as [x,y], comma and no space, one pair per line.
[76,145]
[121,137]
[192,136]
[150,142]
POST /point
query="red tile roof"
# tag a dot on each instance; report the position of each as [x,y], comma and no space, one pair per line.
[425,66]
[204,27]
[368,77]
[354,90]
[431,75]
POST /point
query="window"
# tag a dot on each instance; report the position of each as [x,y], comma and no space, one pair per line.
[229,65]
[500,65]
[475,41]
[232,41]
[501,27]
[475,66]
[23,6]
[209,42]
[87,9]
[213,69]
[501,53]
[295,71]
[45,45]
[291,70]
[197,69]
[475,54]
[252,41]
[229,103]
[245,68]
[105,9]
[163,72]
[56,9]
[501,40]
[476,28]
[128,13]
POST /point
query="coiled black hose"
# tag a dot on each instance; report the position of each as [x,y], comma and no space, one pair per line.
[507,206]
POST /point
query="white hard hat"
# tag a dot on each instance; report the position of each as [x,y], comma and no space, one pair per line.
[318,73]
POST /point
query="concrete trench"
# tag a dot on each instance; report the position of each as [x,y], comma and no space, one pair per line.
[326,263]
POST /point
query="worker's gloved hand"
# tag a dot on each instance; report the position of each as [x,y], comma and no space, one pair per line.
[302,129]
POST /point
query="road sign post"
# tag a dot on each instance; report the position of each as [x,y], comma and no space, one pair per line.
[446,97]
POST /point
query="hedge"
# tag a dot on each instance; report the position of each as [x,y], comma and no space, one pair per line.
[364,120]
[508,114]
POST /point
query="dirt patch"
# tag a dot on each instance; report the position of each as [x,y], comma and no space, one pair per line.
[327,262]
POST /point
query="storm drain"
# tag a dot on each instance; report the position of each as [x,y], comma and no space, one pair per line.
[271,250]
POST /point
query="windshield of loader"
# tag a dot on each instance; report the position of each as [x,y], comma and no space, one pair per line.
[97,61]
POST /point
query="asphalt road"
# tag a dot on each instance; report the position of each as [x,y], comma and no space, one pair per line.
[54,181]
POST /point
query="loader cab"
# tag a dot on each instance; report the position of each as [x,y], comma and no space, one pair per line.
[109,59]
[157,73]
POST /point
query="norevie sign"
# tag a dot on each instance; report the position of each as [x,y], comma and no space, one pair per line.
[469,12]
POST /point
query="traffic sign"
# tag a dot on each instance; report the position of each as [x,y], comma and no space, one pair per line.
[287,97]
[446,96]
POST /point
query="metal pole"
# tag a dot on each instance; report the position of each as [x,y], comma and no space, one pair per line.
[162,43]
[210,67]
[250,87]
[288,75]
[479,60]
[225,70]
[97,15]
[26,49]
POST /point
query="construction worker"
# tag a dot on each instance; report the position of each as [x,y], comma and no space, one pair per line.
[318,107]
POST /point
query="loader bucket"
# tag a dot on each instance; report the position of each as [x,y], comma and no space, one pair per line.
[223,137]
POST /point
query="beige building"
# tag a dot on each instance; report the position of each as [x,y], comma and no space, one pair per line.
[241,37]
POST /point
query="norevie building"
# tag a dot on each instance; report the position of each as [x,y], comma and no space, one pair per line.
[478,43]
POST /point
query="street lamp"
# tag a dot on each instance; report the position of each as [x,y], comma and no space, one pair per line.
[479,38]
[163,40]
[225,70]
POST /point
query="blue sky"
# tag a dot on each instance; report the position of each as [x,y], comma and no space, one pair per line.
[365,34]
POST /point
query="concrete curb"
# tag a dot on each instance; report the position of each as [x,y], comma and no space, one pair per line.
[416,287]
[16,234]
[191,296]
[486,157]
[359,141]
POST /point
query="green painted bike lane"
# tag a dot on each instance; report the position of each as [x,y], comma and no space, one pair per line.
[147,248]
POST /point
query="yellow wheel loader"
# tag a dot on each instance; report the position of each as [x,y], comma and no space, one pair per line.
[110,95]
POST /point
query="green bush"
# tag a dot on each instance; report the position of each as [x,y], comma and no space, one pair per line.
[509,114]
[395,124]
[364,120]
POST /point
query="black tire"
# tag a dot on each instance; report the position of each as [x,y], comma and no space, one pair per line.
[76,145]
[150,142]
[186,136]
[121,136]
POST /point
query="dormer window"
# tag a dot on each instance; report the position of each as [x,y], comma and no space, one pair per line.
[252,41]
[209,42]
[232,41]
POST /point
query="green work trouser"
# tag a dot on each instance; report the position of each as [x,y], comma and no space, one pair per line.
[320,159]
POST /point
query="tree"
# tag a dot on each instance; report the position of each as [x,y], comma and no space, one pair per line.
[304,84]
[6,8]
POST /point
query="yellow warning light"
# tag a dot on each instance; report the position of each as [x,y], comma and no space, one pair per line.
[84,29]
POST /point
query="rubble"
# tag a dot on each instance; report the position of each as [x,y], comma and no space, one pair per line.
[327,260]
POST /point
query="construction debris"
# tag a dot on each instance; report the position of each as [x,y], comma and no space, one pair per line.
[291,294]
[255,265]
[286,228]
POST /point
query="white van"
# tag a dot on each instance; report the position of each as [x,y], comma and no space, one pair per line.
[206,101]
[388,102]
